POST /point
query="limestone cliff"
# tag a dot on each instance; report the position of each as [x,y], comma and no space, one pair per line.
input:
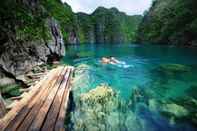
[29,36]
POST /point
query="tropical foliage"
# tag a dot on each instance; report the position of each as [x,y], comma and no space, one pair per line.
[170,22]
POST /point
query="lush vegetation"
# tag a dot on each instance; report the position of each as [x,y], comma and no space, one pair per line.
[85,27]
[62,13]
[170,22]
[10,90]
[28,20]
[107,25]
[19,21]
[167,21]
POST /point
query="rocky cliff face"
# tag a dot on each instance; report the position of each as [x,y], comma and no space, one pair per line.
[66,18]
[29,37]
[33,32]
[107,26]
[170,22]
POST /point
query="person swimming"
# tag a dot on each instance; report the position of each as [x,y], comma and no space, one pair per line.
[105,60]
[109,60]
[114,61]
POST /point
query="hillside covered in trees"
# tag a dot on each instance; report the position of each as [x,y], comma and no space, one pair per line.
[107,26]
[170,22]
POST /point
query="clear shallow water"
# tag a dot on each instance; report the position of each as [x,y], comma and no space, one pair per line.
[154,94]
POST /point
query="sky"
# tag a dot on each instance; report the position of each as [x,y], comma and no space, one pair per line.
[131,7]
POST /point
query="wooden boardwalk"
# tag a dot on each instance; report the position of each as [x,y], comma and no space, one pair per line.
[44,107]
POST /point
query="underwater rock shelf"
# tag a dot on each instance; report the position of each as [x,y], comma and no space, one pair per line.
[44,107]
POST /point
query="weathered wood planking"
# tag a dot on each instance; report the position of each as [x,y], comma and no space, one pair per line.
[55,108]
[44,108]
[59,126]
[12,113]
[40,117]
[32,113]
[13,125]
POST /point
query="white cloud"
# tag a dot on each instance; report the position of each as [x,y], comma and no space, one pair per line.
[131,7]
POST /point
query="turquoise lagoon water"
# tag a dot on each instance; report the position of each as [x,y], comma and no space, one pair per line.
[156,89]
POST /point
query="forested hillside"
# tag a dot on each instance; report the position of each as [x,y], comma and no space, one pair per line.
[107,26]
[170,22]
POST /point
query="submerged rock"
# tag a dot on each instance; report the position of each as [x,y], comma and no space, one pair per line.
[100,109]
[173,100]
[101,94]
[175,110]
[82,77]
[81,68]
[137,96]
[171,71]
[174,68]
[153,104]
[190,104]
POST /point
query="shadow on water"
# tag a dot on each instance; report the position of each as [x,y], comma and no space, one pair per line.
[69,110]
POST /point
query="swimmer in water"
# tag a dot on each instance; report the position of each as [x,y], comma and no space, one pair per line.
[114,61]
[105,60]
[109,60]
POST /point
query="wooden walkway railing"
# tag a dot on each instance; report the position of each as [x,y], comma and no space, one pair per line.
[44,108]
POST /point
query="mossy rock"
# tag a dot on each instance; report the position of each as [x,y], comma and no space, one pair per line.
[190,104]
[138,95]
[10,91]
[174,110]
[174,68]
[101,94]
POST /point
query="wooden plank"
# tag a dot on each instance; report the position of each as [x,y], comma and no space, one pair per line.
[38,121]
[2,107]
[32,114]
[24,111]
[47,108]
[59,126]
[54,110]
[12,126]
[12,113]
